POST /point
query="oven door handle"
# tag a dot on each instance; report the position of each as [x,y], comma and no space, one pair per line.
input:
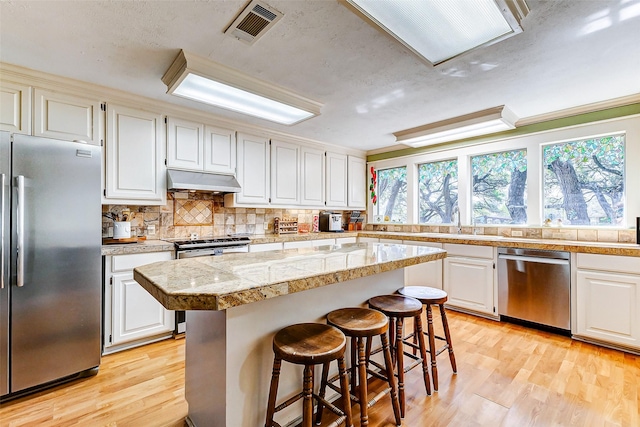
[534,259]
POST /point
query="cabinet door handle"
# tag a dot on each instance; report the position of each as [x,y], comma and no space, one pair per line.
[20,231]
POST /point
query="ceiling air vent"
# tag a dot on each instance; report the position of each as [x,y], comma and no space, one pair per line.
[253,21]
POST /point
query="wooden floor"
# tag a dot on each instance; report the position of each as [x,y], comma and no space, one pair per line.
[508,375]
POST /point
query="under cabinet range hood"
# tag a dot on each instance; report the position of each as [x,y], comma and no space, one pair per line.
[178,180]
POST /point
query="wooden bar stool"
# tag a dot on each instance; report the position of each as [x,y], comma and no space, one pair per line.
[360,323]
[429,296]
[309,344]
[399,307]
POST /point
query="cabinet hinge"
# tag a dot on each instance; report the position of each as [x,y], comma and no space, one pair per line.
[103,106]
[269,199]
[165,162]
[111,280]
[102,143]
[104,192]
[494,309]
[494,265]
[165,120]
[269,142]
[110,339]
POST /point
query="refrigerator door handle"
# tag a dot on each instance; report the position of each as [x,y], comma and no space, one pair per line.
[20,230]
[2,231]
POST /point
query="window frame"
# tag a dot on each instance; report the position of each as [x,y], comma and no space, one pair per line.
[625,216]
[532,142]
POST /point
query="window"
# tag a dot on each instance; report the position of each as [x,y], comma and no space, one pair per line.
[499,188]
[391,203]
[438,191]
[584,181]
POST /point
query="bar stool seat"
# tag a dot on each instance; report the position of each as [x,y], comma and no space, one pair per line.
[399,307]
[360,324]
[309,344]
[433,296]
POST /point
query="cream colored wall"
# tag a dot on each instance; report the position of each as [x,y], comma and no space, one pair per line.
[533,144]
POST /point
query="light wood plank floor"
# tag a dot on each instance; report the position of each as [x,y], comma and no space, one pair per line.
[508,375]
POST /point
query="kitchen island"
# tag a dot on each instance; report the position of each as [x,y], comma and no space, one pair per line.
[237,302]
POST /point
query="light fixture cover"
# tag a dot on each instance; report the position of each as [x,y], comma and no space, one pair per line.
[483,122]
[199,79]
[438,30]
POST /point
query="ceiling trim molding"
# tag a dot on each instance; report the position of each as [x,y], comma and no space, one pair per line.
[591,113]
[17,74]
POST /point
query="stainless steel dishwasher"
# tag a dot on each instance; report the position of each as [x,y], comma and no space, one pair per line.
[535,286]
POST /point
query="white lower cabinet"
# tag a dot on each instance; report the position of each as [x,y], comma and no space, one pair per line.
[469,278]
[265,247]
[132,317]
[427,273]
[343,240]
[298,244]
[368,240]
[608,299]
[323,242]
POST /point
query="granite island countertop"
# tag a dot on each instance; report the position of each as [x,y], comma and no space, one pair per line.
[229,280]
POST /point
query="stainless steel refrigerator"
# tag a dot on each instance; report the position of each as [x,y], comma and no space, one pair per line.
[50,295]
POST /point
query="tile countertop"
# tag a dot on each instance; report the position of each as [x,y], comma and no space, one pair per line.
[229,280]
[602,248]
[137,248]
[164,245]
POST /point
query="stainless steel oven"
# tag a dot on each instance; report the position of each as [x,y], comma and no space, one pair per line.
[205,247]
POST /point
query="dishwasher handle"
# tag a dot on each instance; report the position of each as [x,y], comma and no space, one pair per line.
[534,259]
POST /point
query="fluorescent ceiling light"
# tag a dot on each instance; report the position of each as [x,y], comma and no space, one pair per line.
[483,122]
[438,30]
[202,80]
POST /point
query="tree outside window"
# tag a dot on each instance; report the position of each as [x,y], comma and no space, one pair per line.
[438,191]
[584,181]
[499,188]
[392,195]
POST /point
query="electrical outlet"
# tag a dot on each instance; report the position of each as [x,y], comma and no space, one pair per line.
[516,233]
[151,229]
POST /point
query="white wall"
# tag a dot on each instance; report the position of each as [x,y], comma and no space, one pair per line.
[533,143]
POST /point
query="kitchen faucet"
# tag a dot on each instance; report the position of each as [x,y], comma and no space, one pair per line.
[456,211]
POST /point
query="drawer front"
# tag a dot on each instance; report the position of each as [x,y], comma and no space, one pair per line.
[469,250]
[129,262]
[621,264]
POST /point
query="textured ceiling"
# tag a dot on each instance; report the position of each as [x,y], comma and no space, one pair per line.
[571,53]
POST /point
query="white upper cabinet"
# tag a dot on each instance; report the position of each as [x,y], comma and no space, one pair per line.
[185,144]
[336,180]
[15,107]
[311,176]
[253,169]
[357,196]
[219,150]
[135,171]
[68,117]
[285,173]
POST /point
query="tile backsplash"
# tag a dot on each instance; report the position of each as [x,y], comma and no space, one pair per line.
[203,214]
